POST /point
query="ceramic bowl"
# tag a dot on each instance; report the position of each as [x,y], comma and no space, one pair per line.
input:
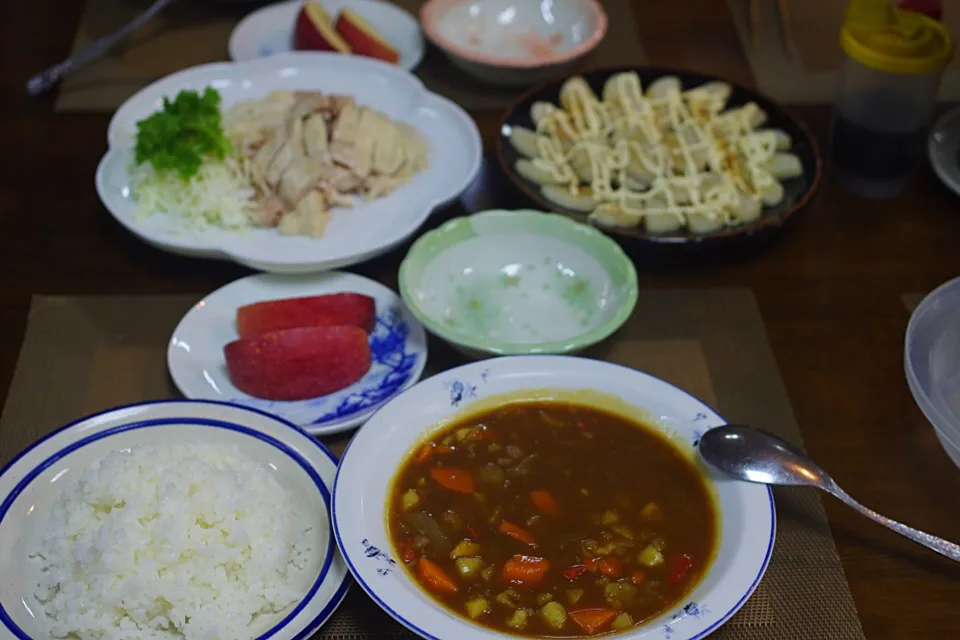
[31,484]
[506,42]
[746,511]
[518,282]
[931,360]
[943,148]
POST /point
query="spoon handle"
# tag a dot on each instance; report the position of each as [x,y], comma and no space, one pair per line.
[46,79]
[939,545]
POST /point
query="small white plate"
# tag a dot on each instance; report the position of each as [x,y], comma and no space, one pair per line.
[398,345]
[943,147]
[354,235]
[745,528]
[31,484]
[269,31]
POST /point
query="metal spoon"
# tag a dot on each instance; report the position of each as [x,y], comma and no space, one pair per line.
[45,80]
[757,456]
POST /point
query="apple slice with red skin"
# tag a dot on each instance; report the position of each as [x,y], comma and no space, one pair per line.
[331,309]
[298,364]
[363,39]
[314,31]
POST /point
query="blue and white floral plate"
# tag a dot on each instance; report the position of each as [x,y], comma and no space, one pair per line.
[398,345]
[746,511]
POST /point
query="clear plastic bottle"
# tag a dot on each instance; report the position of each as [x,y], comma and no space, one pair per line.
[888,93]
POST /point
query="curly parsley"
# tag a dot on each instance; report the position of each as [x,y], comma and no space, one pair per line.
[183,134]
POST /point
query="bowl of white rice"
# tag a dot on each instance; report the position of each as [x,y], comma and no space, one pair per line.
[169,520]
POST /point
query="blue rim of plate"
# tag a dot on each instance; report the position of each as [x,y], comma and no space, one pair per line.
[412,627]
[325,493]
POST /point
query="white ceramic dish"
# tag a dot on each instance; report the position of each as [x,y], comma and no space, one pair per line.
[398,346]
[747,515]
[30,485]
[269,30]
[931,360]
[354,235]
[943,148]
[506,42]
[518,282]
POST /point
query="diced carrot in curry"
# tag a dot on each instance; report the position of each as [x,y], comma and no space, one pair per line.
[582,490]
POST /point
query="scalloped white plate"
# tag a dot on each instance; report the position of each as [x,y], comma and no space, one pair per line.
[353,235]
[269,30]
[746,525]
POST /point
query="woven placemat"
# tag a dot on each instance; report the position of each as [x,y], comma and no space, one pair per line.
[84,354]
[808,73]
[194,32]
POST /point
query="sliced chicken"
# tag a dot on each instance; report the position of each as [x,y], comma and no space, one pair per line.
[299,178]
[265,154]
[310,217]
[334,197]
[271,210]
[347,124]
[388,154]
[343,154]
[292,149]
[316,136]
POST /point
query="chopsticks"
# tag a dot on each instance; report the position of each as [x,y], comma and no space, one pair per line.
[782,11]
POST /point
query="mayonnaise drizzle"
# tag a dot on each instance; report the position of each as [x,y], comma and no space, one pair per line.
[701,159]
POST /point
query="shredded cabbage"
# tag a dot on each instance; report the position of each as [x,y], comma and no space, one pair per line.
[218,195]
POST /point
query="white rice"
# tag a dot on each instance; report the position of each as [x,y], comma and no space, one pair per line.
[174,541]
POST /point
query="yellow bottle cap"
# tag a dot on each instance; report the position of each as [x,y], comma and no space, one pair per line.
[880,36]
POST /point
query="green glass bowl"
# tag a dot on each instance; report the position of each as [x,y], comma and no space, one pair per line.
[518,282]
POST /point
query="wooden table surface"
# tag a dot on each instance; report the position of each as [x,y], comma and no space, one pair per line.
[829,290]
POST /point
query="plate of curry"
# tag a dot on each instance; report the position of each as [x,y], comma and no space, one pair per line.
[508,498]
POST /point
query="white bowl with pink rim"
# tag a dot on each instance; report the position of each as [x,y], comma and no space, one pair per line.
[508,42]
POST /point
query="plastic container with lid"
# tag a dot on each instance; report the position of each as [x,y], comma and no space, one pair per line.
[887,95]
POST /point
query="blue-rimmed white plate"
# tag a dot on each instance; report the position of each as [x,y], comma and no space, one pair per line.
[398,347]
[746,515]
[31,483]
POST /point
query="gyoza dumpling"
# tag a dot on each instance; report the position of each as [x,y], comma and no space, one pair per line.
[646,163]
[783,166]
[623,90]
[767,188]
[701,223]
[541,110]
[524,141]
[711,95]
[575,94]
[581,201]
[745,208]
[534,173]
[613,215]
[663,87]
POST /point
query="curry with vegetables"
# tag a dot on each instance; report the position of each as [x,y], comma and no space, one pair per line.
[552,519]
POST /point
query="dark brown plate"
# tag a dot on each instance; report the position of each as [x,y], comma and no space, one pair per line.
[797,191]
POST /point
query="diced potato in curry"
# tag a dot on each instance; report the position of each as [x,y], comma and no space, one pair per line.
[544,518]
